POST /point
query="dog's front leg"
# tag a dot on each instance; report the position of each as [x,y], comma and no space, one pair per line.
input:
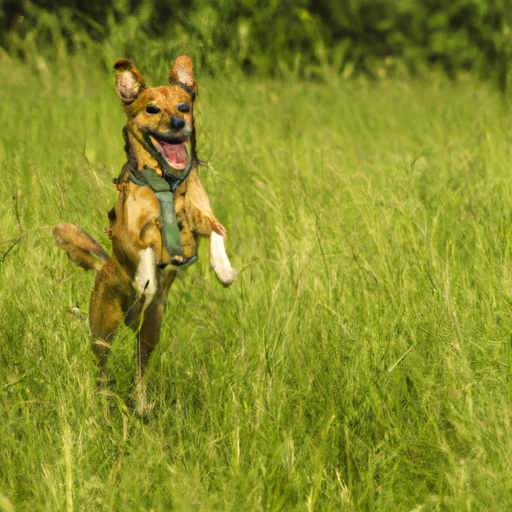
[144,284]
[152,284]
[146,277]
[149,336]
[219,259]
[194,207]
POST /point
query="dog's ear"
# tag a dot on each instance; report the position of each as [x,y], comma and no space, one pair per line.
[129,81]
[183,71]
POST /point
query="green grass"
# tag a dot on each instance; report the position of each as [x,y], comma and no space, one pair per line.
[361,361]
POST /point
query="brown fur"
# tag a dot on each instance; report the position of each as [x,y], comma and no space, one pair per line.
[134,282]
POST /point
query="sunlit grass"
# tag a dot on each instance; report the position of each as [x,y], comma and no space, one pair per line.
[361,361]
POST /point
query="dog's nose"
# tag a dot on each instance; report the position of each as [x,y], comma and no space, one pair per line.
[177,123]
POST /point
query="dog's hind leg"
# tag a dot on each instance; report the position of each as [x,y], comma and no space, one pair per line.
[110,297]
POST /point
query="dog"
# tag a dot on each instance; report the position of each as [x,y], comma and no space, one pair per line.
[161,211]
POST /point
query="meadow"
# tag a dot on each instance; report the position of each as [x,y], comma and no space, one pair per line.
[360,362]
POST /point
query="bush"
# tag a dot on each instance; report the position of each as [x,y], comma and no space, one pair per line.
[302,37]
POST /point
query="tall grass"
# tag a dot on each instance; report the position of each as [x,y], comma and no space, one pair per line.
[361,361]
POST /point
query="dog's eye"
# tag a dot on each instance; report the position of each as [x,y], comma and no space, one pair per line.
[183,107]
[152,109]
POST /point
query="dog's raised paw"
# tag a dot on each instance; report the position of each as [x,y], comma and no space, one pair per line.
[221,265]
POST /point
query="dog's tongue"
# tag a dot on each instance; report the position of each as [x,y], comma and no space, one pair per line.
[176,155]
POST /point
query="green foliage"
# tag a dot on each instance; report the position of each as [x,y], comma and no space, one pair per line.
[221,35]
[306,38]
[361,361]
[458,35]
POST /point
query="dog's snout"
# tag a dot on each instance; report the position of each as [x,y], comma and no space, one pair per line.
[177,123]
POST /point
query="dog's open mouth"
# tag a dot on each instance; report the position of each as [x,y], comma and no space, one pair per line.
[176,153]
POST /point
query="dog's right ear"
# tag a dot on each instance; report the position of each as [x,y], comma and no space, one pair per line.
[129,81]
[183,71]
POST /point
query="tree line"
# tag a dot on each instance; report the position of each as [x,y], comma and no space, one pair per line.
[306,37]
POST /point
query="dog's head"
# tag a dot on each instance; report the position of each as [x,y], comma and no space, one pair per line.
[160,119]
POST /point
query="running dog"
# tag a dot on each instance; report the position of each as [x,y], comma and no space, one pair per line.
[161,211]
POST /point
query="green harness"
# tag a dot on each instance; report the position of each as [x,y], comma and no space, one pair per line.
[164,188]
[164,192]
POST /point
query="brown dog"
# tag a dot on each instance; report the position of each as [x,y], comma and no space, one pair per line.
[161,210]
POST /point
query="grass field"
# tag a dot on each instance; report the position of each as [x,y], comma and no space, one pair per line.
[360,362]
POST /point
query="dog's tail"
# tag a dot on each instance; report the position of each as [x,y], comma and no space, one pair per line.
[81,247]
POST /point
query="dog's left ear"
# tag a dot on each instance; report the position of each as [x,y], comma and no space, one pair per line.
[129,81]
[183,71]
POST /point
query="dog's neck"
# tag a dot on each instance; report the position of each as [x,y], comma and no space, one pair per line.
[138,157]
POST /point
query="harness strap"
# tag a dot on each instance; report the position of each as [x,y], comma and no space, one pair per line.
[164,188]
